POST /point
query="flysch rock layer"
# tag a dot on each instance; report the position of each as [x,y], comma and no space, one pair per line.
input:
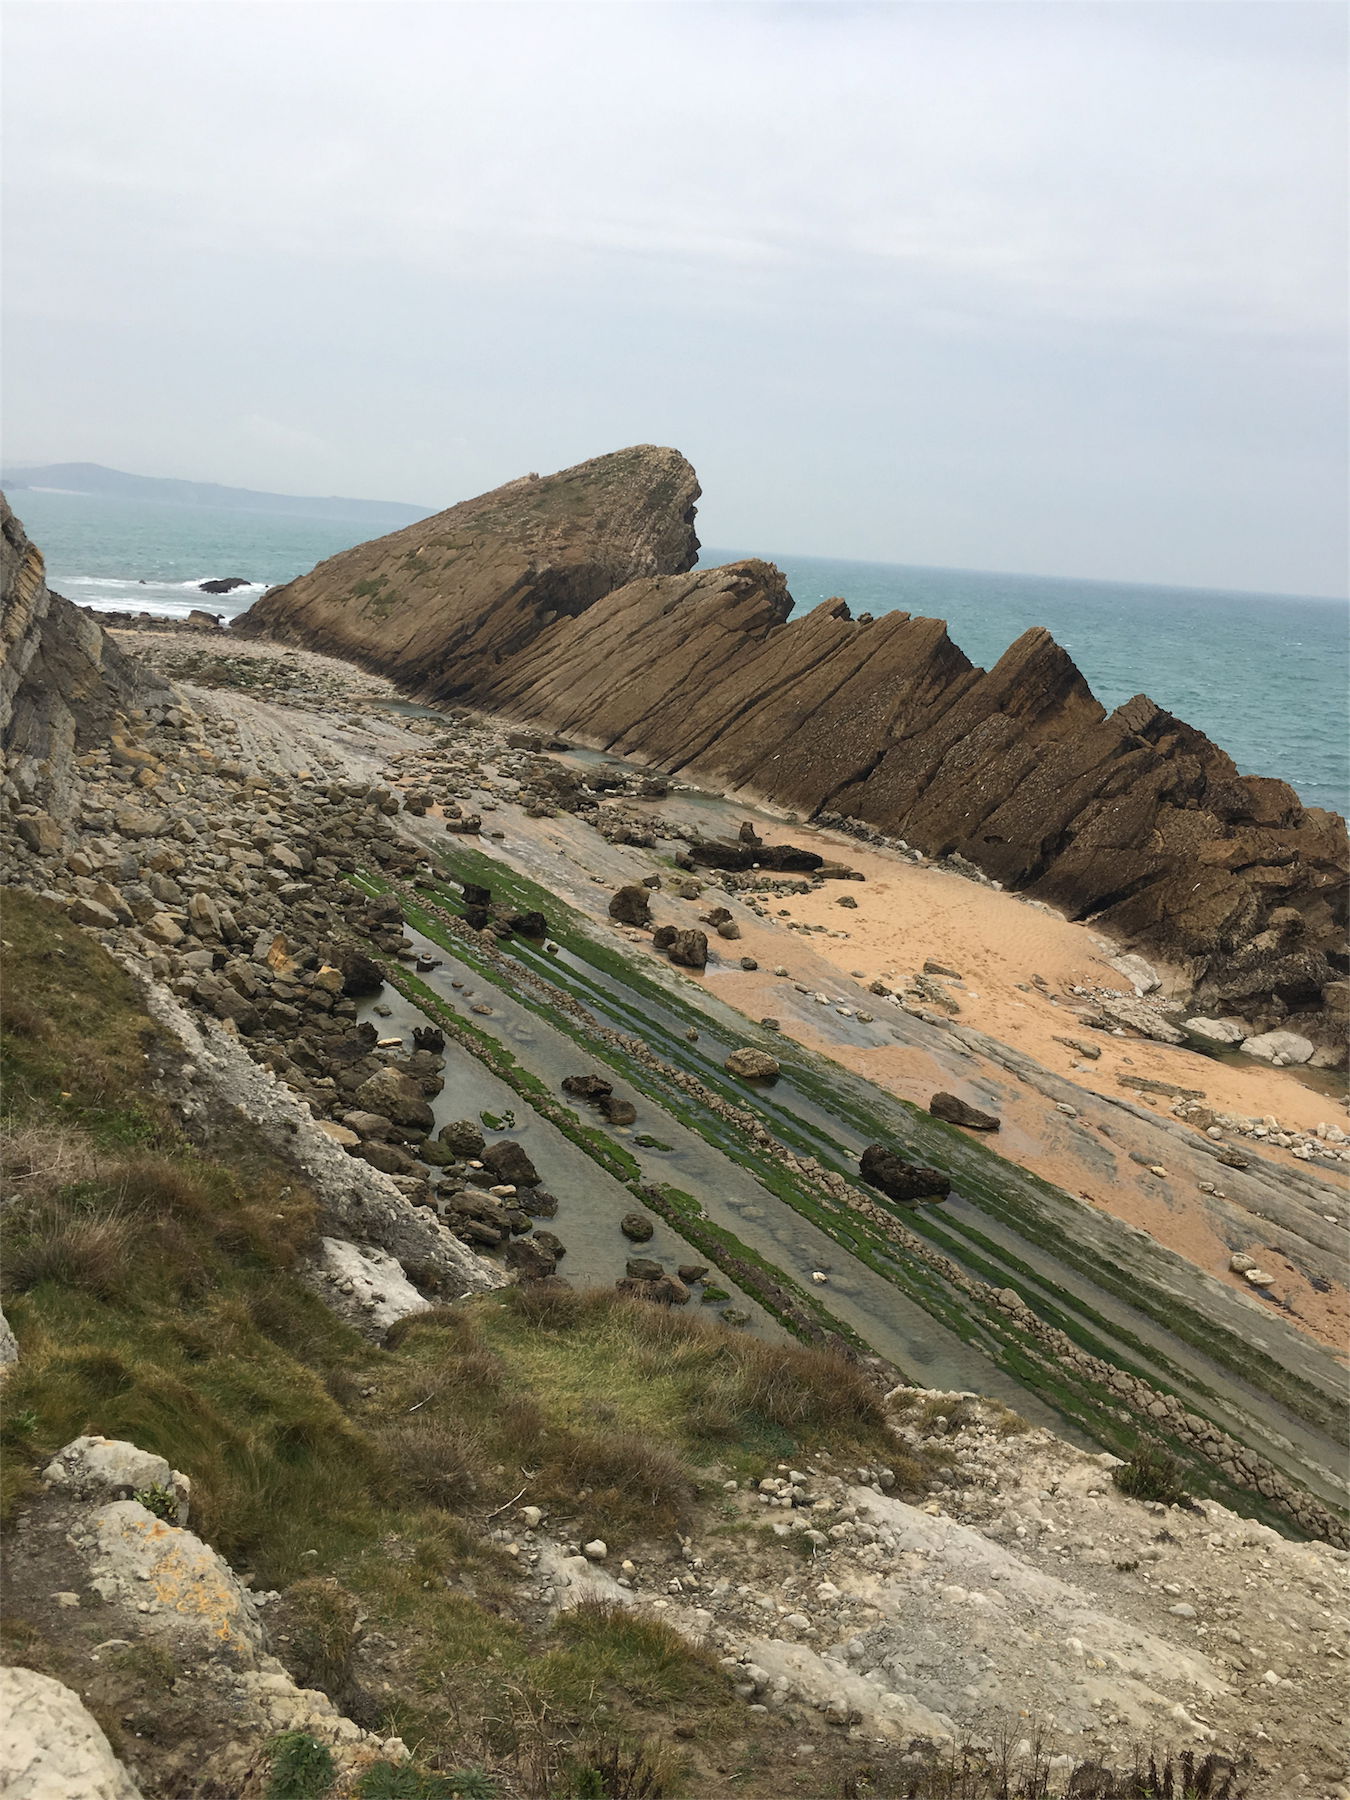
[569,602]
[62,678]
[439,602]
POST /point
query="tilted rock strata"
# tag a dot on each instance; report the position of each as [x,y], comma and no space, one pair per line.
[1134,817]
[442,602]
[563,602]
[63,682]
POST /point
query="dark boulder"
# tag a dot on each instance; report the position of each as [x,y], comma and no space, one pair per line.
[631,905]
[429,1038]
[361,974]
[398,1096]
[689,949]
[643,1268]
[223,584]
[509,1163]
[664,936]
[529,1260]
[588,1087]
[554,1245]
[439,1155]
[368,1124]
[537,1202]
[477,917]
[711,853]
[615,1111]
[691,1272]
[528,924]
[387,1158]
[666,1291]
[636,1227]
[463,1137]
[901,1180]
[473,895]
[956,1112]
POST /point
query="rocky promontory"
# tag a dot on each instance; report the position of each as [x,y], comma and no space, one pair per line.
[570,602]
[438,604]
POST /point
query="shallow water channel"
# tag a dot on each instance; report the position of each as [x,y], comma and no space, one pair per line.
[703,1161]
[1233,1403]
[591,1202]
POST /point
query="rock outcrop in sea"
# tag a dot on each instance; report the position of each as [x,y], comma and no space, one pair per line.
[570,602]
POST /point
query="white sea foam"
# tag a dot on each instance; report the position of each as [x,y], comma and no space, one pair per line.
[162,599]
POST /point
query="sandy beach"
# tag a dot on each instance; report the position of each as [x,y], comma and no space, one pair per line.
[1123,1153]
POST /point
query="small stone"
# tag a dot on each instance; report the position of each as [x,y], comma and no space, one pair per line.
[596,1551]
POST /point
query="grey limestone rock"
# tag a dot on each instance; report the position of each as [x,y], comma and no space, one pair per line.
[52,1747]
[99,1468]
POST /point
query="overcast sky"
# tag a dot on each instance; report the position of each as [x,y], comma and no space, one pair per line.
[1057,288]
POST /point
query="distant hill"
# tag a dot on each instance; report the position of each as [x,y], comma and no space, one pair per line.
[114,484]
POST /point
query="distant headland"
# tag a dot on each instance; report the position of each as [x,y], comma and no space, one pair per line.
[96,482]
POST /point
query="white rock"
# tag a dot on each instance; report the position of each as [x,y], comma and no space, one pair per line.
[99,1468]
[1287,1045]
[596,1551]
[531,1517]
[1217,1031]
[1258,1277]
[9,1344]
[377,1280]
[51,1747]
[199,1604]
[1143,976]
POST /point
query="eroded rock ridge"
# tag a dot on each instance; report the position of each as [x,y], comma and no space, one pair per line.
[570,602]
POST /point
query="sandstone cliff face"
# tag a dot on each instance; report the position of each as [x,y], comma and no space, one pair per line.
[1134,818]
[62,679]
[440,602]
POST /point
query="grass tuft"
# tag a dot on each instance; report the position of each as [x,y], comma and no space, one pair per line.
[1151,1474]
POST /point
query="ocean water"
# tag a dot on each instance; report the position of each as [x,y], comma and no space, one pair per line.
[1265,676]
[150,556]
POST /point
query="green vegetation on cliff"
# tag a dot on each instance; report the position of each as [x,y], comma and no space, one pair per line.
[155,1284]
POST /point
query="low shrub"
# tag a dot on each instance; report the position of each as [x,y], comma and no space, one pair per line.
[60,1241]
[643,1656]
[799,1389]
[628,1467]
[1152,1474]
[437,1459]
[316,1624]
[159,1500]
[302,1767]
[460,1329]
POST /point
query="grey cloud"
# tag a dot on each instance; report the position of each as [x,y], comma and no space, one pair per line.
[1052,287]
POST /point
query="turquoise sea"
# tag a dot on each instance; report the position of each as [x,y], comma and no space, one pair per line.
[1265,675]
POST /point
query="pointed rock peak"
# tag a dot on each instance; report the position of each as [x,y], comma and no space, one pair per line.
[1041,676]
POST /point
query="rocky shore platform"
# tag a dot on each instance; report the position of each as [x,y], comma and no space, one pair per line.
[512,1010]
